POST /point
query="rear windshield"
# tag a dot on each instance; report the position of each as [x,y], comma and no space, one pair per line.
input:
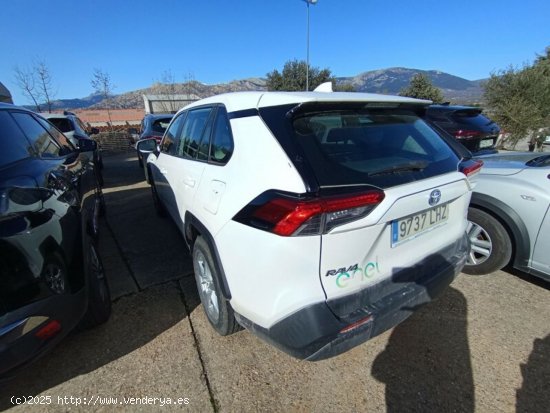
[471,117]
[63,124]
[381,147]
[160,125]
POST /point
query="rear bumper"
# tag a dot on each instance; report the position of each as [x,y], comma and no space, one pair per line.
[329,328]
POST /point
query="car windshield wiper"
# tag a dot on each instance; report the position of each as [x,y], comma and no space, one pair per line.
[404,167]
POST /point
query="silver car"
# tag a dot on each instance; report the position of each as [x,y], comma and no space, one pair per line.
[509,214]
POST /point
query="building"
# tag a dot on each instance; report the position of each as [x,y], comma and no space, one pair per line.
[167,103]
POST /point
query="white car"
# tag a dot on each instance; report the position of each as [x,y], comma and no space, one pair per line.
[315,220]
[510,214]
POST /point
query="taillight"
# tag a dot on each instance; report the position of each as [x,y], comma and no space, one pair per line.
[470,167]
[466,134]
[288,216]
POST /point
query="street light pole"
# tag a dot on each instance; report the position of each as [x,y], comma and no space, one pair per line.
[308,2]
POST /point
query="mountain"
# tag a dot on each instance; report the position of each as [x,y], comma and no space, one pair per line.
[391,81]
[386,81]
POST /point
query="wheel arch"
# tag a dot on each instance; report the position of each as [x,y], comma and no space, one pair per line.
[194,228]
[512,222]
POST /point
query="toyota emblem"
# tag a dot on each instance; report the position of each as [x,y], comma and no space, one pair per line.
[435,197]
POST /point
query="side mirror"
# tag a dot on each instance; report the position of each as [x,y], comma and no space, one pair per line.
[94,131]
[87,145]
[146,146]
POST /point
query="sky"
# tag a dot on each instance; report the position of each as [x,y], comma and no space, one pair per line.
[216,41]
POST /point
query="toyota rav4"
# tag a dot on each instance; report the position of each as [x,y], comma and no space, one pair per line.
[315,220]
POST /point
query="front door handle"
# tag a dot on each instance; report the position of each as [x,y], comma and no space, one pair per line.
[189,181]
[163,171]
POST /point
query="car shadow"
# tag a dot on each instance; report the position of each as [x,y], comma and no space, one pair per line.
[136,320]
[426,365]
[533,394]
[150,275]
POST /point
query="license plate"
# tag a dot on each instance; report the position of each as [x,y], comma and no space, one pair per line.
[410,227]
[487,143]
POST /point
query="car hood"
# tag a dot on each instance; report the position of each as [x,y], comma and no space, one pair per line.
[507,163]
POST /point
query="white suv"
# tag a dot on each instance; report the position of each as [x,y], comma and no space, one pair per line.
[315,220]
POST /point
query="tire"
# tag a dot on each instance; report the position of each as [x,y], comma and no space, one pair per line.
[216,307]
[491,246]
[159,207]
[54,273]
[99,295]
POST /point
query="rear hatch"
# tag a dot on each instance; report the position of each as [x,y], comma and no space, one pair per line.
[414,197]
[472,125]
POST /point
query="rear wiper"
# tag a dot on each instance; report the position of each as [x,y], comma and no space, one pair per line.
[404,167]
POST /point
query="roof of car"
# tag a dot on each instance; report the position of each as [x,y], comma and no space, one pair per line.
[253,100]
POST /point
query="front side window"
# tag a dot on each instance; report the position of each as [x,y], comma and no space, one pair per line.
[41,140]
[171,140]
[58,136]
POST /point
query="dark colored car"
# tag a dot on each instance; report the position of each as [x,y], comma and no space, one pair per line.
[51,276]
[74,129]
[467,124]
[153,126]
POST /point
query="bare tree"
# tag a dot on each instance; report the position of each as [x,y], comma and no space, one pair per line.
[44,80]
[25,81]
[101,83]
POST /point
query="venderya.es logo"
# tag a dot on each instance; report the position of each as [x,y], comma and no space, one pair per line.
[435,197]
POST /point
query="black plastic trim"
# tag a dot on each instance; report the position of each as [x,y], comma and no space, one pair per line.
[512,221]
[192,222]
[245,113]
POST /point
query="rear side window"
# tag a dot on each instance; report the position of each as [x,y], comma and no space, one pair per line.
[63,124]
[13,144]
[160,125]
[379,146]
[222,139]
[193,131]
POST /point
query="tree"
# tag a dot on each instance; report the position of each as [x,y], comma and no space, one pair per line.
[293,77]
[420,87]
[519,99]
[25,81]
[44,79]
[101,83]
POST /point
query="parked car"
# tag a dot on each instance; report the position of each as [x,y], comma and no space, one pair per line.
[153,126]
[315,220]
[509,215]
[75,130]
[467,124]
[51,276]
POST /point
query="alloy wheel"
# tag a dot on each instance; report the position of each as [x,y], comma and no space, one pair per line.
[481,244]
[207,289]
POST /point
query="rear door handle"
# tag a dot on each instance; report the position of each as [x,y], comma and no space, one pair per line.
[163,171]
